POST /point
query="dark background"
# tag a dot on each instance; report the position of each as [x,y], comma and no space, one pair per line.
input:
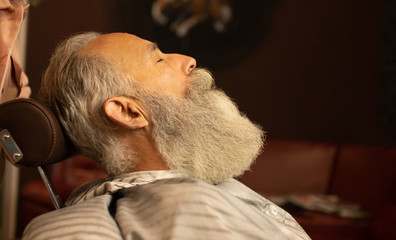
[303,69]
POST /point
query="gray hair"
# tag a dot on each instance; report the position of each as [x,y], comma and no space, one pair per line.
[75,86]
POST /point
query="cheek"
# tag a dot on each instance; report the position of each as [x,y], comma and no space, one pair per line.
[177,88]
[174,84]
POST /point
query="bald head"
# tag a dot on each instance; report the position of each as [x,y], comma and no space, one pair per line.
[142,61]
[121,48]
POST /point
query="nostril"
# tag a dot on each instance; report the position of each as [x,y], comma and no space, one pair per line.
[192,65]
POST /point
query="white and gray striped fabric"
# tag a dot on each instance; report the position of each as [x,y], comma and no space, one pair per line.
[161,205]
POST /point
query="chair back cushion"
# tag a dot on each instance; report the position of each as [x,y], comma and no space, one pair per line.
[36,131]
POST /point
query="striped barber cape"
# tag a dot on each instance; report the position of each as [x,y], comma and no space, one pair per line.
[162,205]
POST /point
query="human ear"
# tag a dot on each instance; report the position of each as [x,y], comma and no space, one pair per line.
[125,112]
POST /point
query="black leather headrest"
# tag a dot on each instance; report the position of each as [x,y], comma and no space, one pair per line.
[36,131]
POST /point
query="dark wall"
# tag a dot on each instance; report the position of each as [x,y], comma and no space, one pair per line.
[308,69]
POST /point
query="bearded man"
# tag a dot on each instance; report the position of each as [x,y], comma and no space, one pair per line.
[170,141]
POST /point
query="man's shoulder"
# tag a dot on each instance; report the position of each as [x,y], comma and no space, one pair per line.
[82,219]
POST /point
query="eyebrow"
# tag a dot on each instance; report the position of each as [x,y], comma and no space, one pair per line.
[151,48]
[154,46]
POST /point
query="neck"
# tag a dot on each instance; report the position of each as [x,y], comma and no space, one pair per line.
[149,158]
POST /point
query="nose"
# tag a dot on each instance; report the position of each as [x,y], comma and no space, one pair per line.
[190,64]
[187,63]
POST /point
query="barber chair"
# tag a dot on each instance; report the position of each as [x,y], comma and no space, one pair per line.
[31,136]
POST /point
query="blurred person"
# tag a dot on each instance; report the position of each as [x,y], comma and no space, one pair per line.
[13,81]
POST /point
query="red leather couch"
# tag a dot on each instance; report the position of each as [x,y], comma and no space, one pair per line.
[362,174]
[365,175]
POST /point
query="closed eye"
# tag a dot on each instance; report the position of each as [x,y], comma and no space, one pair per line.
[160,60]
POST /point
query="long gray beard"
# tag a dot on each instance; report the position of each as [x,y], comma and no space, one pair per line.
[204,135]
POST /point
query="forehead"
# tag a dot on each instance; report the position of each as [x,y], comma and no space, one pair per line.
[117,46]
[127,51]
